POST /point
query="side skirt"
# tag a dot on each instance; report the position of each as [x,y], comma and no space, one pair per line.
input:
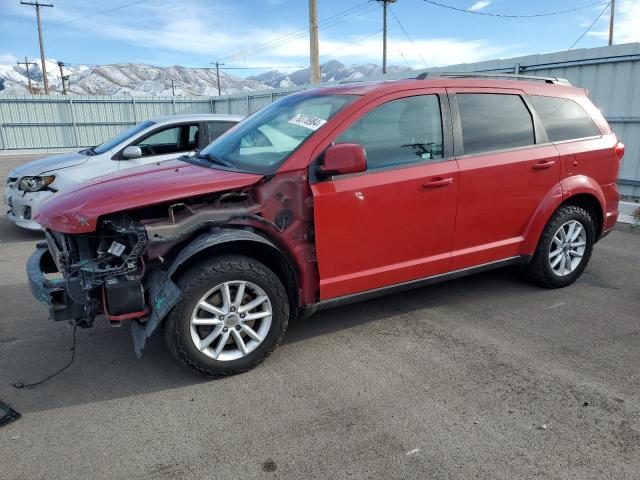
[421,282]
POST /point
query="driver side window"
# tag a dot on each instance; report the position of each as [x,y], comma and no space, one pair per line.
[176,139]
[402,131]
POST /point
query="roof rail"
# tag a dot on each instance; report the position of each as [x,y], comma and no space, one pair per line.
[506,76]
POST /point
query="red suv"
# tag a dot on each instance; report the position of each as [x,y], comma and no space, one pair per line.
[329,196]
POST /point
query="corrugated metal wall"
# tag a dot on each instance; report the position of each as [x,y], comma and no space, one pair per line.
[611,74]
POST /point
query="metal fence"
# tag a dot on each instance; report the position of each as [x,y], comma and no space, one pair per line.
[611,74]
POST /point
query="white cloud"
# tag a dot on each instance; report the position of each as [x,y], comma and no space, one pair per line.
[627,23]
[479,5]
[7,58]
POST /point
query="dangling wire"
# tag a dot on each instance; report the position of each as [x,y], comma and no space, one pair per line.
[73,356]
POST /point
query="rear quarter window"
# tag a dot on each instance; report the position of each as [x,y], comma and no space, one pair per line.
[563,119]
[493,122]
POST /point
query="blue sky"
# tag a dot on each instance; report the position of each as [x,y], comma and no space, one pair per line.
[194,33]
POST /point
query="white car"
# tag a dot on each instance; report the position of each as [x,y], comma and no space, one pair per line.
[147,142]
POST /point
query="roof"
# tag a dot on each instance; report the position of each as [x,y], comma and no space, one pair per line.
[389,86]
[200,117]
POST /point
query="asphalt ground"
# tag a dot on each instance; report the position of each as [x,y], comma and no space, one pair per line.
[481,377]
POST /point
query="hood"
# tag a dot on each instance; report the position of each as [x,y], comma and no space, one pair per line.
[48,164]
[77,210]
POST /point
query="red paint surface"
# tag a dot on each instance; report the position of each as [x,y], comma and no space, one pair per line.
[380,228]
[77,210]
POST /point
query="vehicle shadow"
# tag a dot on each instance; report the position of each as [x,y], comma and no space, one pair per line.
[106,367]
[11,233]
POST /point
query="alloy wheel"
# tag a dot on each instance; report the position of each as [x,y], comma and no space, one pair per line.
[567,248]
[231,320]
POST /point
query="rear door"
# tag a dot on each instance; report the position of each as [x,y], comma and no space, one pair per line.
[394,222]
[507,167]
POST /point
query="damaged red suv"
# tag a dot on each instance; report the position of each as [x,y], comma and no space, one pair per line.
[329,196]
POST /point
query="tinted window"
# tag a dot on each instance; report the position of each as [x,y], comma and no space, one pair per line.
[216,129]
[563,119]
[494,122]
[401,131]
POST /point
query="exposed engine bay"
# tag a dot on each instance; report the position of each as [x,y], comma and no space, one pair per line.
[125,270]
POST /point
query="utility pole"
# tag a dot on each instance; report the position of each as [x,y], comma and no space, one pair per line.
[43,66]
[314,54]
[26,63]
[611,21]
[62,77]
[173,88]
[218,76]
[384,4]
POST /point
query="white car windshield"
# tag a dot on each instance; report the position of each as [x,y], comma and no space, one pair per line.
[121,137]
[265,139]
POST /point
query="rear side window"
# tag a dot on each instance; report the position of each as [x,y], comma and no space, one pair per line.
[401,131]
[494,122]
[563,119]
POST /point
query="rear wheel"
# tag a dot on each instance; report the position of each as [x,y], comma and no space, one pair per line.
[564,248]
[232,314]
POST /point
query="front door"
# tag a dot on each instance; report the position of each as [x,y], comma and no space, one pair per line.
[393,223]
[165,143]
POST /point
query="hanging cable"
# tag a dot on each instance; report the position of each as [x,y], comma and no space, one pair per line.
[357,40]
[502,15]
[399,51]
[329,22]
[56,25]
[57,372]
[590,26]
[424,62]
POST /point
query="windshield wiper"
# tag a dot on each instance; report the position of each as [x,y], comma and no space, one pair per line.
[210,158]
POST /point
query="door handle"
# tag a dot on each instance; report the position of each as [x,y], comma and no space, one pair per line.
[440,182]
[544,165]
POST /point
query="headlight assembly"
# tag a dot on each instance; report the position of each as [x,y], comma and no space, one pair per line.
[35,184]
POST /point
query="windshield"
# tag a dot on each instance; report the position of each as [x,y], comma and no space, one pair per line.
[266,139]
[121,137]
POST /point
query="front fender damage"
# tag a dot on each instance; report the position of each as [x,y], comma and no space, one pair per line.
[164,294]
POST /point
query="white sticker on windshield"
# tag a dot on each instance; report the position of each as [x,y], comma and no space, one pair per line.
[307,121]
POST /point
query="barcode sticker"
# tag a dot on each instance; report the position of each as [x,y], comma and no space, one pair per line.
[307,121]
[116,249]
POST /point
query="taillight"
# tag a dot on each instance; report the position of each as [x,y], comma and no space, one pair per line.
[619,150]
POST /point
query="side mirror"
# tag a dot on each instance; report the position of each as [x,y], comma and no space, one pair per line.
[132,152]
[343,158]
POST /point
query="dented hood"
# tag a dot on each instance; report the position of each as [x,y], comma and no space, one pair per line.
[77,210]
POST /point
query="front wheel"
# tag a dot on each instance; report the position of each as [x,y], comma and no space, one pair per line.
[233,313]
[564,248]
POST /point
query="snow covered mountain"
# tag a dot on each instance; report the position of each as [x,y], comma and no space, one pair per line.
[142,79]
[125,79]
[330,71]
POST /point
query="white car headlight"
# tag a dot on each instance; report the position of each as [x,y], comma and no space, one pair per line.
[35,184]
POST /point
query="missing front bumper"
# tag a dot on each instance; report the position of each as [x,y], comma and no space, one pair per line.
[56,294]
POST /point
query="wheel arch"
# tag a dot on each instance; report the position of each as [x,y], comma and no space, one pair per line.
[580,191]
[245,242]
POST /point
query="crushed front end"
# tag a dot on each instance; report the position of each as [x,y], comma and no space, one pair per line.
[79,277]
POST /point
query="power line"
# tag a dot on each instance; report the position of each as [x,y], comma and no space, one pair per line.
[289,38]
[590,26]
[408,37]
[502,15]
[399,51]
[101,12]
[296,33]
[357,40]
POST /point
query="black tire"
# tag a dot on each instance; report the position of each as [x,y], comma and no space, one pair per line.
[539,269]
[195,283]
